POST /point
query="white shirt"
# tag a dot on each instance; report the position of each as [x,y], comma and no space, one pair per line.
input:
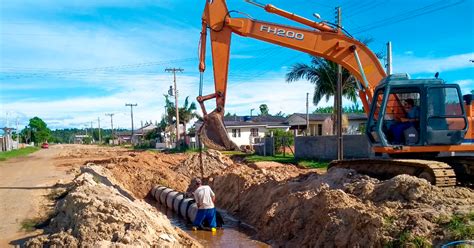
[203,196]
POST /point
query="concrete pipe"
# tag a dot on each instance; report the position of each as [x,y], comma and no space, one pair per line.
[192,211]
[183,209]
[177,202]
[156,191]
[163,195]
[170,199]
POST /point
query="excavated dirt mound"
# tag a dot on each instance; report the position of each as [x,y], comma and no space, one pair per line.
[340,208]
[96,213]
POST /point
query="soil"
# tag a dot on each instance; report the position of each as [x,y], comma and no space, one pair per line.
[287,205]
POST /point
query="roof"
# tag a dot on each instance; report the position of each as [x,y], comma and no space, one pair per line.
[323,116]
[300,119]
[267,120]
[404,79]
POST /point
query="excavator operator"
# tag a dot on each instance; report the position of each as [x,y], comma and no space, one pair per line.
[412,116]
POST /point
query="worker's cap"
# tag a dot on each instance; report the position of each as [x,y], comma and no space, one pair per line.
[197,181]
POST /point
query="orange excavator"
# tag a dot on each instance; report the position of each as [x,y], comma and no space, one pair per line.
[444,124]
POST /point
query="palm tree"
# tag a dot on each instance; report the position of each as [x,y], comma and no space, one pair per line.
[186,113]
[323,74]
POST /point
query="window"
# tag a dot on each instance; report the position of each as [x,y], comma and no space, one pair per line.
[444,109]
[235,133]
[320,129]
[254,132]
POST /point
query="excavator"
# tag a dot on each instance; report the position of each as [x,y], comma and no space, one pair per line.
[439,147]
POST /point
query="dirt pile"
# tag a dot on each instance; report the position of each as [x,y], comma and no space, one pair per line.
[340,208]
[96,213]
[140,171]
[213,162]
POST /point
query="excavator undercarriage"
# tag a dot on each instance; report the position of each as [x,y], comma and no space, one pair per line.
[441,173]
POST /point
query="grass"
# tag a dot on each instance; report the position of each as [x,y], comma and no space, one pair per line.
[17,153]
[31,224]
[287,159]
[461,227]
[407,239]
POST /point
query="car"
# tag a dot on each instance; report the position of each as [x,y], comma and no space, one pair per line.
[45,145]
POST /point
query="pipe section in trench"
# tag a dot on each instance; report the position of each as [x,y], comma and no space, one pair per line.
[177,201]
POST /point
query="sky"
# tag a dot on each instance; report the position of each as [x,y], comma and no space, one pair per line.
[71,62]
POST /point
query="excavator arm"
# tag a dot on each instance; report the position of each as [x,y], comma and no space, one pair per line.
[319,39]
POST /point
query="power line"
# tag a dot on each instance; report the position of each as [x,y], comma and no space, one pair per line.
[405,16]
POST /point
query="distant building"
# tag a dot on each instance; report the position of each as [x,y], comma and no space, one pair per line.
[321,124]
[79,138]
[6,141]
[243,130]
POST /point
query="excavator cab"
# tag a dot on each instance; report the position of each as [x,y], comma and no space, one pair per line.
[416,112]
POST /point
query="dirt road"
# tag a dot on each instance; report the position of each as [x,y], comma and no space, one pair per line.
[23,184]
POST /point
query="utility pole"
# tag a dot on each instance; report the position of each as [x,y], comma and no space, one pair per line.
[100,137]
[112,126]
[131,115]
[92,133]
[389,58]
[338,99]
[251,110]
[174,70]
[17,134]
[307,114]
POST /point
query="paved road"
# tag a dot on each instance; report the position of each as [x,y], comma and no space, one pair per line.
[23,184]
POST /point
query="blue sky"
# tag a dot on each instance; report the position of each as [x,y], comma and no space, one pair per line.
[70,62]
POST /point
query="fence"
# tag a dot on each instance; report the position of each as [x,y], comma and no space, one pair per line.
[325,147]
[264,146]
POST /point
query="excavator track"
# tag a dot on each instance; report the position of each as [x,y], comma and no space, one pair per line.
[463,167]
[436,172]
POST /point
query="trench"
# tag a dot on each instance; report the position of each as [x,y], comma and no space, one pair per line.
[232,233]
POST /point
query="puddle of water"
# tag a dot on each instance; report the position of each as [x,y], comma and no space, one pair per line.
[232,234]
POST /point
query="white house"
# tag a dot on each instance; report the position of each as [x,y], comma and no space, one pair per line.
[243,130]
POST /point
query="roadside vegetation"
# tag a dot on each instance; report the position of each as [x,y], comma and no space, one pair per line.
[280,158]
[17,153]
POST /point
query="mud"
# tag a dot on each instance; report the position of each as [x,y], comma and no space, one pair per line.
[290,206]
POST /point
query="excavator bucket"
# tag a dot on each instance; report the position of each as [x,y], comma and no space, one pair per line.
[214,135]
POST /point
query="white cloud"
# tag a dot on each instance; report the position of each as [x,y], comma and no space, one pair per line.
[412,64]
[147,91]
[466,85]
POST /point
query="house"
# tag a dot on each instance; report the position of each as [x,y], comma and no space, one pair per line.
[140,133]
[321,124]
[243,130]
[79,138]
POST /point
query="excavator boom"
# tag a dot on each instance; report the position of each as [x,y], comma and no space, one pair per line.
[318,39]
[444,126]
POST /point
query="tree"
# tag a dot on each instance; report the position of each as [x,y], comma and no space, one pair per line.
[280,114]
[263,109]
[186,113]
[36,131]
[323,74]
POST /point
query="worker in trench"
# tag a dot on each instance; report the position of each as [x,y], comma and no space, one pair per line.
[205,199]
